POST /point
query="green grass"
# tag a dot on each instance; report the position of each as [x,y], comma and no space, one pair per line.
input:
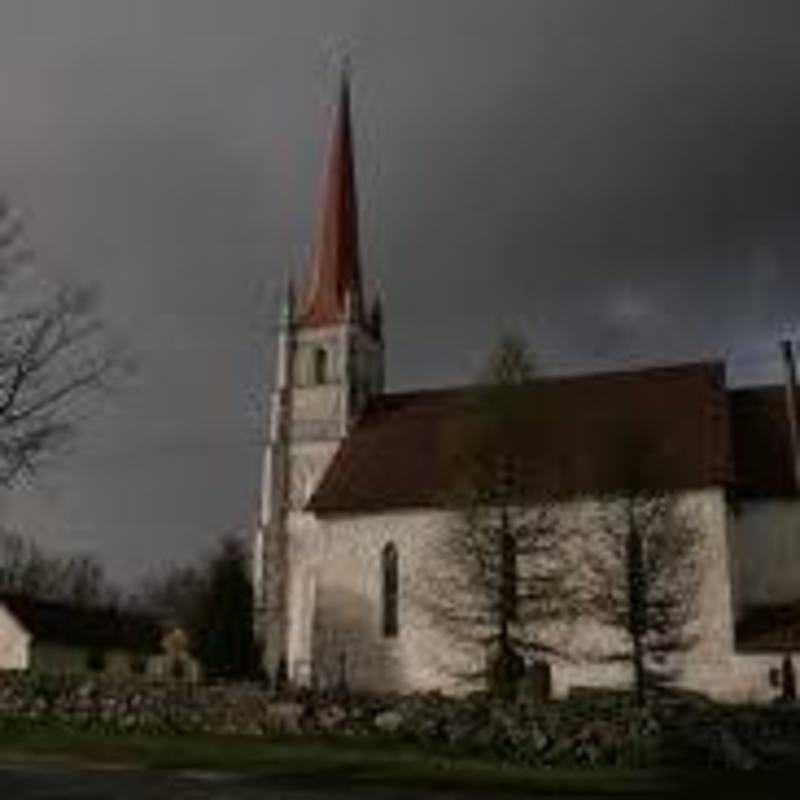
[348,761]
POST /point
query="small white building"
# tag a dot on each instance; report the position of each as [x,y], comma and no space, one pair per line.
[15,641]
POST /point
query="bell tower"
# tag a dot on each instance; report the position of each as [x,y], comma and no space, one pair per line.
[330,363]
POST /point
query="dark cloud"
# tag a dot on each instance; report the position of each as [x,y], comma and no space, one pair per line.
[618,180]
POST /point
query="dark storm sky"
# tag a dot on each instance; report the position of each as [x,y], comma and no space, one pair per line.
[617,180]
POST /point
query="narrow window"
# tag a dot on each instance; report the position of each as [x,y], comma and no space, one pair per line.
[320,365]
[389,567]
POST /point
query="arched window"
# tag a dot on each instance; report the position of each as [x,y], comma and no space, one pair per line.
[389,569]
[320,365]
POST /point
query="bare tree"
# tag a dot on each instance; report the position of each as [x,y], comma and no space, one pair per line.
[508,576]
[174,592]
[85,583]
[643,567]
[13,252]
[27,570]
[55,354]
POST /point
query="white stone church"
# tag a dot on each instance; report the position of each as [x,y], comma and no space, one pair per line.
[345,555]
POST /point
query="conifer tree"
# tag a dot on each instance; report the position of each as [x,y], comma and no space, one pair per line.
[227,646]
[642,570]
[212,602]
[508,577]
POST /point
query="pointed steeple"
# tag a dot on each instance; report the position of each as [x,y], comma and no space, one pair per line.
[335,268]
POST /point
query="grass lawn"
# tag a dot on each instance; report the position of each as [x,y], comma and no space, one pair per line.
[344,760]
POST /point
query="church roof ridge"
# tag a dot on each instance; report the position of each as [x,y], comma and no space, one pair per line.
[666,369]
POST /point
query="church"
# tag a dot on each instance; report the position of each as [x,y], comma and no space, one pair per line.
[345,557]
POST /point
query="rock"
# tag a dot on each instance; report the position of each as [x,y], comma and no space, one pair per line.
[388,721]
[555,755]
[428,728]
[734,754]
[86,690]
[284,717]
[586,733]
[330,717]
[605,735]
[539,740]
[649,725]
[483,736]
[587,753]
[501,718]
[462,730]
[83,704]
[40,705]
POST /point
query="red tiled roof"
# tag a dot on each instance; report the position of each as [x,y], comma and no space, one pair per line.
[335,268]
[406,451]
[761,442]
[52,621]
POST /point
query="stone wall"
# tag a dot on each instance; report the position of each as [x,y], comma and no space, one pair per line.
[590,728]
[133,703]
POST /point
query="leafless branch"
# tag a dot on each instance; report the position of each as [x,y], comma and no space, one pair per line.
[55,357]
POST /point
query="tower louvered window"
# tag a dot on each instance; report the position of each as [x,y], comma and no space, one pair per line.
[320,365]
[390,585]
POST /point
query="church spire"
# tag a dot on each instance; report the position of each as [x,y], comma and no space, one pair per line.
[335,268]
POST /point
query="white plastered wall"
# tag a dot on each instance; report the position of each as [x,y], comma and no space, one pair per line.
[335,595]
[335,601]
[14,641]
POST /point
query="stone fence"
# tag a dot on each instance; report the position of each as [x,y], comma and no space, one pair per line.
[592,729]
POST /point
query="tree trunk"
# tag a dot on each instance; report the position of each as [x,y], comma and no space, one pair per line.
[637,603]
[503,582]
[638,671]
